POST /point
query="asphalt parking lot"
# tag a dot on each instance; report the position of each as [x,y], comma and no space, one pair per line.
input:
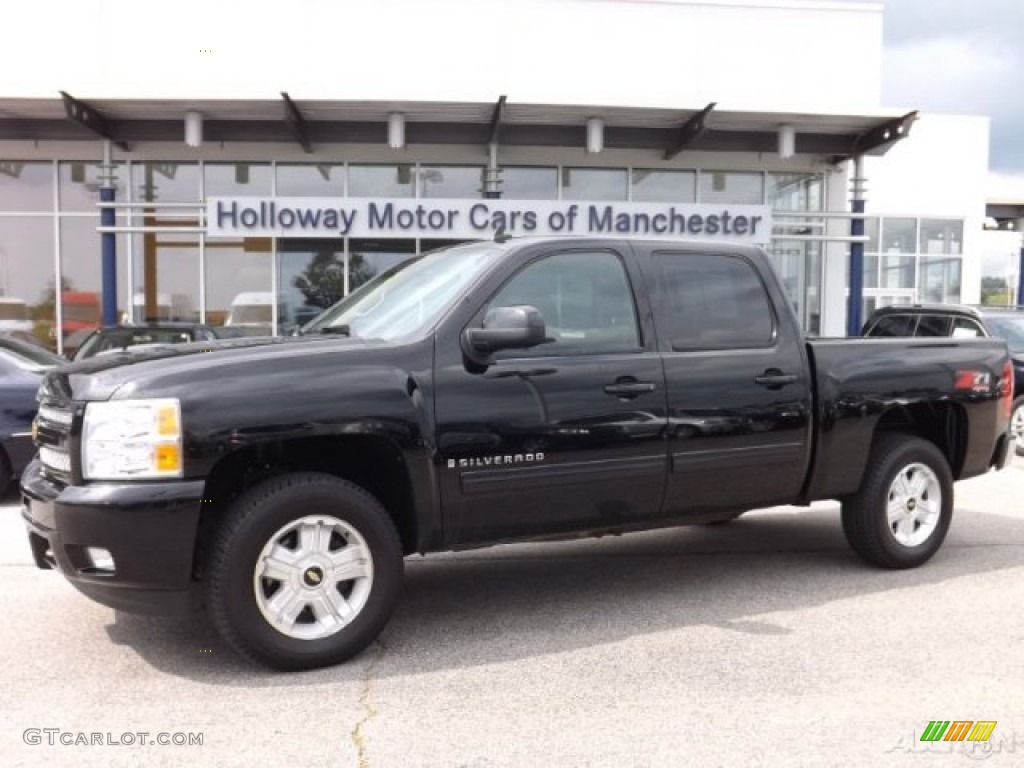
[762,642]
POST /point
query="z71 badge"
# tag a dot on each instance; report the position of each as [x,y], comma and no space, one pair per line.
[496,461]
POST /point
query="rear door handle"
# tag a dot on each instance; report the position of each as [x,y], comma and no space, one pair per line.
[629,388]
[773,378]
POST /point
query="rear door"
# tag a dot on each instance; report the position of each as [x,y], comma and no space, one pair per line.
[739,397]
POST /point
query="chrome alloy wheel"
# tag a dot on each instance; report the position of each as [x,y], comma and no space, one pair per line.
[915,503]
[313,577]
[1017,424]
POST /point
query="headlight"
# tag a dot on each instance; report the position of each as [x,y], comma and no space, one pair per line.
[125,439]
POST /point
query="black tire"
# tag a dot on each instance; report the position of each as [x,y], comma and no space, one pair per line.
[255,519]
[865,514]
[1016,417]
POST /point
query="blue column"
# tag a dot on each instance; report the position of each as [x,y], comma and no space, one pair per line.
[853,318]
[109,246]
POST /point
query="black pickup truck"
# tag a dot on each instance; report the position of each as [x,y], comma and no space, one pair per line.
[490,392]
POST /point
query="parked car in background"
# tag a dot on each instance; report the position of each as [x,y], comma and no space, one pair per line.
[121,337]
[962,322]
[14,315]
[22,367]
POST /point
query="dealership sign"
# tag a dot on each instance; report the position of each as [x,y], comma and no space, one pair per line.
[476,219]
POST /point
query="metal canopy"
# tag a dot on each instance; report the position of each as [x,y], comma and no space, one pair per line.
[308,123]
[496,118]
[296,123]
[88,117]
[690,131]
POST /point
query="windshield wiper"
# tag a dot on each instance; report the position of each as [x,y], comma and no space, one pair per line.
[340,330]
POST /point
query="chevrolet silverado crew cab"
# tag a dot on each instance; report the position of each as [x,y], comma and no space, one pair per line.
[485,393]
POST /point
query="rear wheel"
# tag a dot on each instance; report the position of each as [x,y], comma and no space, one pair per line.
[900,515]
[304,572]
[1017,423]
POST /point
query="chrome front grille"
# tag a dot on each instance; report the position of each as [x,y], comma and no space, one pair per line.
[55,459]
[53,422]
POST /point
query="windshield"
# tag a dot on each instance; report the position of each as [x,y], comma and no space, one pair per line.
[411,297]
[1010,328]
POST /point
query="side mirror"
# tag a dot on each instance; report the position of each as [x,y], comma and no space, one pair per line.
[518,327]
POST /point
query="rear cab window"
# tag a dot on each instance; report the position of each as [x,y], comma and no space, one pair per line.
[893,325]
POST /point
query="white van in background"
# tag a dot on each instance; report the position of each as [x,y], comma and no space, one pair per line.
[14,315]
[253,311]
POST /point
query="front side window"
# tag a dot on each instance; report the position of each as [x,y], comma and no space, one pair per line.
[713,301]
[585,300]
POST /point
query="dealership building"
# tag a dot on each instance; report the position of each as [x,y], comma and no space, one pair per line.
[257,165]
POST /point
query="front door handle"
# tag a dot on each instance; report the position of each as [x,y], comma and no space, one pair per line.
[773,378]
[629,388]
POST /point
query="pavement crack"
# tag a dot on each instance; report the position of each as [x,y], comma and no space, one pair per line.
[356,734]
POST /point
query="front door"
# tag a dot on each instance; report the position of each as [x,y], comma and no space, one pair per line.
[568,435]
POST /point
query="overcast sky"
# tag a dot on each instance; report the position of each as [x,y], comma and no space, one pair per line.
[960,57]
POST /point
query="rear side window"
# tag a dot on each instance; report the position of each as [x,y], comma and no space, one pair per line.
[713,301]
[934,325]
[893,325]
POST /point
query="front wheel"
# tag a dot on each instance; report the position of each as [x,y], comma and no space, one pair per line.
[304,571]
[902,511]
[1017,423]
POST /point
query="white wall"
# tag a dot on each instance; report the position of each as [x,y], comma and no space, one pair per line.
[940,170]
[775,54]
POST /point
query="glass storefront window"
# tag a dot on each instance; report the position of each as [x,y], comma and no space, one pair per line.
[731,187]
[795,191]
[26,186]
[166,182]
[451,181]
[529,183]
[380,180]
[311,278]
[368,258]
[899,235]
[594,183]
[237,179]
[80,184]
[320,180]
[897,271]
[664,186]
[239,284]
[940,279]
[166,276]
[82,275]
[871,230]
[942,237]
[27,277]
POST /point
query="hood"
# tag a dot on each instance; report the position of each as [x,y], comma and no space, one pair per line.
[170,370]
